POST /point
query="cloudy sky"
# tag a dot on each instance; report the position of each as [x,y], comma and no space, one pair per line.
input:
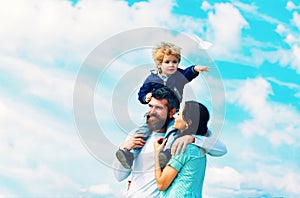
[58,58]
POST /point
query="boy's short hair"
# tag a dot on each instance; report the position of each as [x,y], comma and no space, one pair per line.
[163,49]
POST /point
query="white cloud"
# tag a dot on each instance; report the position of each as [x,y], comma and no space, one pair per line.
[31,143]
[253,10]
[283,57]
[291,6]
[274,178]
[289,57]
[225,177]
[225,24]
[205,6]
[281,29]
[42,181]
[48,29]
[55,34]
[225,27]
[290,39]
[247,156]
[100,189]
[271,179]
[296,58]
[145,12]
[277,122]
[296,20]
[50,84]
[291,183]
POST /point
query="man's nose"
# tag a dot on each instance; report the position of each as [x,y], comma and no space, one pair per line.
[152,111]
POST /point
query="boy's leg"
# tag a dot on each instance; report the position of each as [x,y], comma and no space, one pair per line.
[126,157]
[165,155]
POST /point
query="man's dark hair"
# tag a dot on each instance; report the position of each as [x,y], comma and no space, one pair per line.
[169,95]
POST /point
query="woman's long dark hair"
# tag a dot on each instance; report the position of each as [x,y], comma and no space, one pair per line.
[198,114]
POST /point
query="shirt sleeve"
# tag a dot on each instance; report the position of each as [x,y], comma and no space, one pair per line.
[189,73]
[211,145]
[177,161]
[119,172]
[144,90]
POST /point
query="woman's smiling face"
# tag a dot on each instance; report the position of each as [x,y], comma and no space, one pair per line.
[180,123]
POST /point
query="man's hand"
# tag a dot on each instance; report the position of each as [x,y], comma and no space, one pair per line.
[137,141]
[180,144]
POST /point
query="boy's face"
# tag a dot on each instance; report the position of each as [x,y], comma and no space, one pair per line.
[169,65]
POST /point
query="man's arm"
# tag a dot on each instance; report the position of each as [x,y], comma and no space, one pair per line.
[119,172]
[211,145]
[132,141]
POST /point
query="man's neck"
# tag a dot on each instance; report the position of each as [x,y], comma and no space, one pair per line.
[163,130]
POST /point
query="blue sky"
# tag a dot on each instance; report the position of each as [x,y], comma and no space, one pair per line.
[255,60]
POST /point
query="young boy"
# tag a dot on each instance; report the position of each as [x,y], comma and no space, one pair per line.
[167,57]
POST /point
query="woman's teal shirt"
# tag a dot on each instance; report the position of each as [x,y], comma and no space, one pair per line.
[191,167]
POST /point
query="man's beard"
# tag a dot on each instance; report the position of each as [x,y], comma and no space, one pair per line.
[156,123]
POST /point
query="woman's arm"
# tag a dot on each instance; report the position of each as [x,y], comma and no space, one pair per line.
[163,178]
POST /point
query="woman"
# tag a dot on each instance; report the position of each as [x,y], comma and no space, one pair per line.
[184,174]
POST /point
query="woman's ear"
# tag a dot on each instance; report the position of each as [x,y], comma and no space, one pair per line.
[190,122]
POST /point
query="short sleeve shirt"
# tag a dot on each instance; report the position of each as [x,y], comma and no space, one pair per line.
[191,167]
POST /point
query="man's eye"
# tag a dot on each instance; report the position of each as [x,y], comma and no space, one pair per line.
[167,62]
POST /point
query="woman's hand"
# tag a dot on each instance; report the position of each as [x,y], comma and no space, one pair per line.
[159,144]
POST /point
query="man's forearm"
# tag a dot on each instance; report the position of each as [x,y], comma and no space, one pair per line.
[119,172]
[212,146]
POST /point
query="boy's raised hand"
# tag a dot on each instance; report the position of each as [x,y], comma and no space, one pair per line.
[148,97]
[200,69]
